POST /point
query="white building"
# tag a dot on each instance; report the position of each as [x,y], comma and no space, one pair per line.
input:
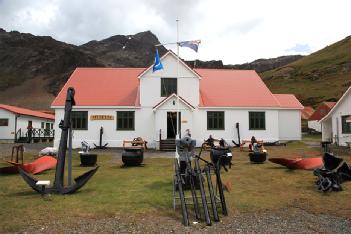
[321,111]
[336,125]
[14,122]
[137,102]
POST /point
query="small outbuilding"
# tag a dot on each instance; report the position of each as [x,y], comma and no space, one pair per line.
[24,125]
[336,125]
[321,111]
[305,115]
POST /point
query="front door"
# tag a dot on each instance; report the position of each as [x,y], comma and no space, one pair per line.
[172,124]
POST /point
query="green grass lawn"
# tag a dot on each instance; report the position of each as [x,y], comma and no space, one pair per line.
[116,191]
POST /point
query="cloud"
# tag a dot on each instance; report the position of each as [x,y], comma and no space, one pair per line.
[233,31]
[300,48]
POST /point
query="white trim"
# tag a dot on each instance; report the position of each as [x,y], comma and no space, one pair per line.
[174,55]
[98,107]
[337,104]
[168,98]
[250,107]
[199,107]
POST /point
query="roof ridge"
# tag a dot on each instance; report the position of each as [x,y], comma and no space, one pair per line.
[22,111]
[112,68]
[224,69]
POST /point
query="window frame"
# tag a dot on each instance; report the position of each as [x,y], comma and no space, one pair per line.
[165,93]
[85,113]
[257,120]
[6,120]
[344,124]
[213,117]
[129,128]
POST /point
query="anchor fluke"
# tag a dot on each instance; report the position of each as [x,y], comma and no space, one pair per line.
[58,186]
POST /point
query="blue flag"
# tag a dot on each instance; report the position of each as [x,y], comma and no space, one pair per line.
[191,44]
[157,65]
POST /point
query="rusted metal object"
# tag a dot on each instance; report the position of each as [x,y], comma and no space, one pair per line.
[58,186]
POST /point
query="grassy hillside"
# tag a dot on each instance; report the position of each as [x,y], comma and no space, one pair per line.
[322,76]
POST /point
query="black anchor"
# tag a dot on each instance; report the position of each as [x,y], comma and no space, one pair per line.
[58,186]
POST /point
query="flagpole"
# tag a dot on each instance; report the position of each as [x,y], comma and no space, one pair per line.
[178,114]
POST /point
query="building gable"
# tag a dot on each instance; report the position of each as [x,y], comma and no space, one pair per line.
[322,110]
[187,82]
[171,102]
[170,61]
[345,98]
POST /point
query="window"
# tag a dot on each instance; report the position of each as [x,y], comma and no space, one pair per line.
[168,86]
[80,120]
[4,122]
[346,124]
[257,121]
[42,124]
[52,126]
[125,120]
[215,120]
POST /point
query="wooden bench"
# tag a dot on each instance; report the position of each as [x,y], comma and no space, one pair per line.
[243,142]
[134,144]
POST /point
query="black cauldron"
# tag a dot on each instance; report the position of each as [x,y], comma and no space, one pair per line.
[258,157]
[88,159]
[133,156]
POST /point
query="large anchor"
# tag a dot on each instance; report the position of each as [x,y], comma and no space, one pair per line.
[58,186]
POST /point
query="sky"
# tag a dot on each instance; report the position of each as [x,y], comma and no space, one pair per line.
[232,31]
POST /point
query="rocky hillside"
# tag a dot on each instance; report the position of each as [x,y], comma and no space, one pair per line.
[262,65]
[322,76]
[24,57]
[259,65]
[124,51]
[34,68]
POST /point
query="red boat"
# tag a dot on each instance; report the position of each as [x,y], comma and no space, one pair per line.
[41,164]
[299,163]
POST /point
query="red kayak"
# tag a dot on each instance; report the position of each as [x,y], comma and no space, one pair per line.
[299,163]
[41,164]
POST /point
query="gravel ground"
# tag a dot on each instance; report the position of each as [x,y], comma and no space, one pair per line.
[293,221]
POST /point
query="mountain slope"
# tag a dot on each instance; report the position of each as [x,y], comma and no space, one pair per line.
[24,57]
[34,68]
[125,51]
[259,65]
[321,76]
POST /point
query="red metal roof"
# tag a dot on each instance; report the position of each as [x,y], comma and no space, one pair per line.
[307,112]
[239,88]
[330,104]
[102,87]
[322,110]
[23,111]
[288,101]
[218,88]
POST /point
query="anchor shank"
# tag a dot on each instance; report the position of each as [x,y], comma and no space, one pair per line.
[65,125]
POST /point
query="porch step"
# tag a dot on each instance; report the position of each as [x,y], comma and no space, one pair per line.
[167,145]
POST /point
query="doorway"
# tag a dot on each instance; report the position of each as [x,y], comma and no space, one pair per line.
[172,124]
[47,129]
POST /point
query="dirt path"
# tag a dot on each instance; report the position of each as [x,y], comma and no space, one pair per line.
[292,221]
